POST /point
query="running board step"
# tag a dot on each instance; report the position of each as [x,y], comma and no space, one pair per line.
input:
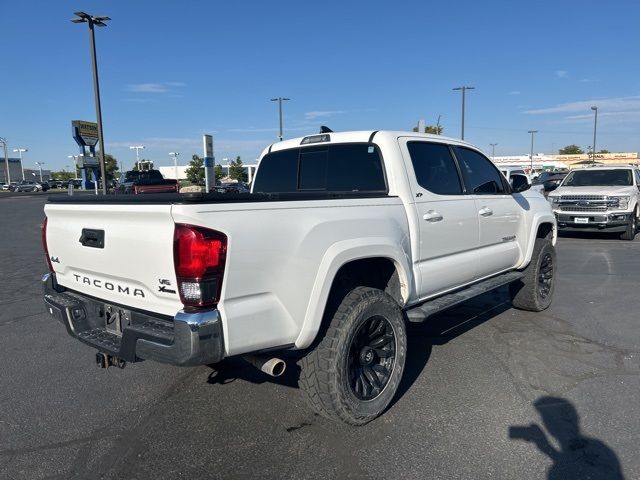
[431,307]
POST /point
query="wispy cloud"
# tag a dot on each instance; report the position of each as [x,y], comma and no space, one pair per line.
[588,80]
[561,73]
[154,87]
[322,114]
[514,92]
[617,104]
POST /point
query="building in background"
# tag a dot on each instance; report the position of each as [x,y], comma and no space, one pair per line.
[15,170]
[170,172]
[543,161]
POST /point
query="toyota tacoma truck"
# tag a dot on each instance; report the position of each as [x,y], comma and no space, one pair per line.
[343,239]
[602,198]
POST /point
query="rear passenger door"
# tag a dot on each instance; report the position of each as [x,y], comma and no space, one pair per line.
[497,211]
[446,218]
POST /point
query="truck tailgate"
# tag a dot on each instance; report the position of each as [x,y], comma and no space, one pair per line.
[122,254]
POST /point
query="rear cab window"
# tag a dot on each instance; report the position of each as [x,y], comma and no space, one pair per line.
[435,167]
[347,167]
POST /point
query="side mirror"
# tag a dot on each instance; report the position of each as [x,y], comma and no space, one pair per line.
[519,183]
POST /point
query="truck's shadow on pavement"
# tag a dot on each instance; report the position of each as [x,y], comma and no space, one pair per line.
[578,457]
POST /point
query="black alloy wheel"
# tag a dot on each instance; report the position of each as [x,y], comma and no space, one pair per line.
[545,276]
[371,359]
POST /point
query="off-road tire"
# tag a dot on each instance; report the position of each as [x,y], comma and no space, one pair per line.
[526,293]
[325,377]
[632,227]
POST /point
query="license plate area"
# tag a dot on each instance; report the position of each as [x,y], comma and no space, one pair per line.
[581,219]
[116,318]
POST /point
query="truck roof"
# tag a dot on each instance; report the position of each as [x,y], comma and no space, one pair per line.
[607,167]
[360,136]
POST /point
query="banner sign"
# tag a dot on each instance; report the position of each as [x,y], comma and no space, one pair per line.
[85,133]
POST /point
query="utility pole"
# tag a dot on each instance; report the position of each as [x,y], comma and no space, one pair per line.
[532,132]
[6,159]
[99,22]
[595,129]
[493,151]
[20,151]
[464,94]
[280,100]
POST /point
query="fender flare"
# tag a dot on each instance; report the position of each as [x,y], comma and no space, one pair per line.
[538,219]
[338,255]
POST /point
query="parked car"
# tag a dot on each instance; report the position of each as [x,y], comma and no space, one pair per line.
[601,198]
[4,186]
[146,181]
[344,236]
[23,187]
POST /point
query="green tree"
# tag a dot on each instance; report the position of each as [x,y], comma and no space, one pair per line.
[111,167]
[571,150]
[236,170]
[604,151]
[434,129]
[195,172]
[62,175]
[217,170]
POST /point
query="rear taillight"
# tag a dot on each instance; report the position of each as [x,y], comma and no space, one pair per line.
[199,256]
[43,229]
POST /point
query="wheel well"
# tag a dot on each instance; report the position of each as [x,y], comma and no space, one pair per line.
[545,230]
[378,272]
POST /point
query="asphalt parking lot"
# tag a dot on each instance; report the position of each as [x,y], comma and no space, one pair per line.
[489,391]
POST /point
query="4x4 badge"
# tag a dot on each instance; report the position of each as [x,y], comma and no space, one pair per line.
[55,260]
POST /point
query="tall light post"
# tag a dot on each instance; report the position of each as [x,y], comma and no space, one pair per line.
[595,129]
[75,164]
[532,132]
[21,151]
[464,94]
[6,159]
[98,22]
[137,148]
[280,100]
[493,151]
[40,168]
[175,161]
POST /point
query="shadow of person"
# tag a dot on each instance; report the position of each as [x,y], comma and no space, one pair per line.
[579,457]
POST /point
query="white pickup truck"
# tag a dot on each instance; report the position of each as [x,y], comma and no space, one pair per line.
[344,237]
[599,198]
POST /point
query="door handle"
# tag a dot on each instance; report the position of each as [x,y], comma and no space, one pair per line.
[485,212]
[432,216]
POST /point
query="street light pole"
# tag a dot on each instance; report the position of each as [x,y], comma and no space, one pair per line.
[75,165]
[595,129]
[6,159]
[493,151]
[532,132]
[464,92]
[175,162]
[99,22]
[137,148]
[280,100]
[40,168]
[20,150]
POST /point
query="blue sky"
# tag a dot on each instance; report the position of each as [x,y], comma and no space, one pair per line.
[171,71]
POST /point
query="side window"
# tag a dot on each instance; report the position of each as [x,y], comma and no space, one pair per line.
[638,178]
[435,168]
[278,172]
[481,177]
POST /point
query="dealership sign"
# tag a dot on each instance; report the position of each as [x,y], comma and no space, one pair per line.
[85,133]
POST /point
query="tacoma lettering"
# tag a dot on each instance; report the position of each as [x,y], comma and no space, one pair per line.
[136,292]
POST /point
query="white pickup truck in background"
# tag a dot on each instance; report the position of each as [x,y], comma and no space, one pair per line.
[599,199]
[344,237]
